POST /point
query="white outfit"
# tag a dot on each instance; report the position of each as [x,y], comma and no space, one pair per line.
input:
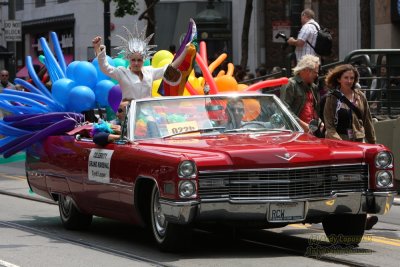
[307,33]
[131,85]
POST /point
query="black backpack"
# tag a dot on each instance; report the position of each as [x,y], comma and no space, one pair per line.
[323,45]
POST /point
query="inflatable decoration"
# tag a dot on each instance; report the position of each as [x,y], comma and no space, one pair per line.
[35,113]
[186,67]
[223,81]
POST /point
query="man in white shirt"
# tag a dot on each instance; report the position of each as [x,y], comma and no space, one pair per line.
[306,36]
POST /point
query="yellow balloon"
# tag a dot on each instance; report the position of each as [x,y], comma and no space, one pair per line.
[194,81]
[155,86]
[164,62]
[159,56]
[201,81]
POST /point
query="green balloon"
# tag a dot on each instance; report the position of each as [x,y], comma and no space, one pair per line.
[120,62]
[147,62]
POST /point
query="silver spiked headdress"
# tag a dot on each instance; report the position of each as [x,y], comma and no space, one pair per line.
[136,43]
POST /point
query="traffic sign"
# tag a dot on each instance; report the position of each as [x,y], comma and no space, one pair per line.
[12,31]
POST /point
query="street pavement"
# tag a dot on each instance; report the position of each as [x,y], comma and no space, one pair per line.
[13,179]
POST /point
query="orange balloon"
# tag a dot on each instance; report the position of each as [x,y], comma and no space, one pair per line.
[217,62]
[231,69]
[242,87]
[252,109]
[226,83]
[221,73]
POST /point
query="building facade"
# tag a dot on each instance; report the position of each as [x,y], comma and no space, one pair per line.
[76,22]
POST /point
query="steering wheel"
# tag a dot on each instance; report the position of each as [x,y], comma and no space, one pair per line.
[257,123]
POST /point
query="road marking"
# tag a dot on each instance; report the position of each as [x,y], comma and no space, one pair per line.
[7,264]
[386,241]
[302,226]
[371,238]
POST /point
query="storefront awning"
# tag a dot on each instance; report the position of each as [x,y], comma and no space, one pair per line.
[23,73]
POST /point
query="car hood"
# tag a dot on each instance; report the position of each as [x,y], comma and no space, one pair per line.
[262,149]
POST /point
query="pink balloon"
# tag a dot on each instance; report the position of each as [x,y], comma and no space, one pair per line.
[115,97]
[267,83]
[207,75]
[190,88]
[203,51]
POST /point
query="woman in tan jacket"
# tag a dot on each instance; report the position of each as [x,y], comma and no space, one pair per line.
[342,122]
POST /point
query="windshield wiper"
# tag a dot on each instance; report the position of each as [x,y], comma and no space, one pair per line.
[241,130]
[202,130]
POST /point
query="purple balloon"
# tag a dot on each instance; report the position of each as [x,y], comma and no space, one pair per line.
[11,118]
[55,129]
[115,97]
[47,118]
[15,142]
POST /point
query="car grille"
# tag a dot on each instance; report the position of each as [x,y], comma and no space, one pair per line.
[294,183]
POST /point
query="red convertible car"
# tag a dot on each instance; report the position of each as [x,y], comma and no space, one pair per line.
[241,160]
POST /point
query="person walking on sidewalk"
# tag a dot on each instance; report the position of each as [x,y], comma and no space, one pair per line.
[307,35]
[341,120]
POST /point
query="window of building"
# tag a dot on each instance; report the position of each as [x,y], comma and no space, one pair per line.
[40,3]
[62,1]
[19,5]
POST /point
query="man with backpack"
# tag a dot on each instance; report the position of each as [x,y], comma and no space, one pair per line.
[307,37]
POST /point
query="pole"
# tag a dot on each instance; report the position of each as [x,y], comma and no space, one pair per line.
[11,46]
[107,22]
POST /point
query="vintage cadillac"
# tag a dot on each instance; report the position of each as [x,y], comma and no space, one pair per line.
[241,160]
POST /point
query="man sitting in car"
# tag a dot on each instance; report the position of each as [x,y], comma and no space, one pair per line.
[112,134]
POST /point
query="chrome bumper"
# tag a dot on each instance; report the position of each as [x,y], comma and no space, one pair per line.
[226,210]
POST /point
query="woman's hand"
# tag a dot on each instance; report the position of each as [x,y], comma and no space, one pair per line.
[97,45]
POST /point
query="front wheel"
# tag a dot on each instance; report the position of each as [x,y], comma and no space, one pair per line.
[345,229]
[71,217]
[169,236]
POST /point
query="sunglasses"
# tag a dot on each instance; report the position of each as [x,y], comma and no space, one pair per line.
[120,110]
[238,109]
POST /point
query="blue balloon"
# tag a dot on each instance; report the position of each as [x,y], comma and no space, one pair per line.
[85,74]
[101,91]
[61,89]
[81,98]
[100,75]
[71,69]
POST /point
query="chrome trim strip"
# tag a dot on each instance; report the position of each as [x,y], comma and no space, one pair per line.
[315,209]
[280,169]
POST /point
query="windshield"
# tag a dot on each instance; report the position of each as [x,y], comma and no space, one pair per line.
[178,116]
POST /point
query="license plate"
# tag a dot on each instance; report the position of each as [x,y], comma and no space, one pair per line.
[286,212]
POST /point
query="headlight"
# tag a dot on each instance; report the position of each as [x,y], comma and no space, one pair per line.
[383,159]
[384,179]
[187,169]
[187,188]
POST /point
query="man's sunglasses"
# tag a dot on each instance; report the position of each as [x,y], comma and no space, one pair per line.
[120,110]
[238,109]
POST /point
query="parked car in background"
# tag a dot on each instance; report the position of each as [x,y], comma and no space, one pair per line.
[231,159]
